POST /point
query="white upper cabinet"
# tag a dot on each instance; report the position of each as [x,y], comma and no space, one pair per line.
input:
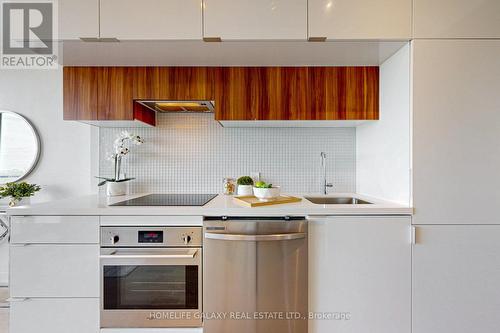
[78,18]
[256,19]
[456,19]
[151,19]
[360,19]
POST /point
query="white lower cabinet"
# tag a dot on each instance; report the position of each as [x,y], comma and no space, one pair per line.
[360,274]
[54,270]
[456,274]
[55,315]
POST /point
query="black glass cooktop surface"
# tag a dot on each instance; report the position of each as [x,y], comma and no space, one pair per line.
[168,200]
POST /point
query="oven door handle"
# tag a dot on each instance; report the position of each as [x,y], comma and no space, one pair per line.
[190,254]
[255,238]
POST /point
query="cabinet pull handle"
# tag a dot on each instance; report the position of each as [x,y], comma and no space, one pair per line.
[17,299]
[316,39]
[413,235]
[212,39]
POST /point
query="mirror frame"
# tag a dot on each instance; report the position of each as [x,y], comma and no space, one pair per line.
[38,145]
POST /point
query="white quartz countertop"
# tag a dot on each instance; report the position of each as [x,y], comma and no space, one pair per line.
[222,205]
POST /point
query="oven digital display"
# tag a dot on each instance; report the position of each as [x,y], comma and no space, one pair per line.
[150,236]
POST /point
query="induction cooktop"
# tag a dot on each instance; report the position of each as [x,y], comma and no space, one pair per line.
[168,200]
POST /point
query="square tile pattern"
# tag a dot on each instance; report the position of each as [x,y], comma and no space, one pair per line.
[192,153]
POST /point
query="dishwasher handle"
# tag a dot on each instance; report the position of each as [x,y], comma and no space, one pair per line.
[255,238]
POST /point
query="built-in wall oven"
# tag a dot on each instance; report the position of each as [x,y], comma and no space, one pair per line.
[151,277]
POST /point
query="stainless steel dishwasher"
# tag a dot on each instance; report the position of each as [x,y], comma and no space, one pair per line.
[255,275]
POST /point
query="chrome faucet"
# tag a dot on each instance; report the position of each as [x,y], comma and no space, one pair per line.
[324,183]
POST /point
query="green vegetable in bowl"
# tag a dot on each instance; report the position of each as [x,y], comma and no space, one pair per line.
[263,185]
[245,180]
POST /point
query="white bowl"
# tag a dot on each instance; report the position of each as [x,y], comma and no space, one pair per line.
[267,194]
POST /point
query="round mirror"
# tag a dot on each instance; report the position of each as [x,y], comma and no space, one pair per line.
[19,147]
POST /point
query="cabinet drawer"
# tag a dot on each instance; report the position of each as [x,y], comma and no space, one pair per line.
[54,271]
[61,315]
[55,229]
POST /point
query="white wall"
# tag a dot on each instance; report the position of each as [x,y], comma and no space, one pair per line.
[64,166]
[383,148]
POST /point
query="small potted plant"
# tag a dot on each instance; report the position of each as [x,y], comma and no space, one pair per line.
[18,192]
[245,185]
[118,184]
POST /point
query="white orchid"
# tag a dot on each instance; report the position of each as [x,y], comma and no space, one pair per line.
[120,150]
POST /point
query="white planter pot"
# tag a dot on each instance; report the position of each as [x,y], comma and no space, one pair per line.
[245,189]
[114,189]
[21,202]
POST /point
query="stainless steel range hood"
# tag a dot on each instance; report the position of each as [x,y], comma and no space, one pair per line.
[179,106]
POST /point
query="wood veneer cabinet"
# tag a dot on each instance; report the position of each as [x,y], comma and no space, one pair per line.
[343,93]
[80,93]
[174,83]
[297,93]
[115,93]
[260,93]
[240,93]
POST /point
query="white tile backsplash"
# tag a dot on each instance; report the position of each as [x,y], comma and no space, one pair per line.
[192,153]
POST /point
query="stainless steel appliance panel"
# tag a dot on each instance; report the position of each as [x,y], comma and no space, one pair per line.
[170,236]
[156,281]
[252,270]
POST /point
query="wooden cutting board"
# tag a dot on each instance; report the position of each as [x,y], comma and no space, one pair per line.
[252,201]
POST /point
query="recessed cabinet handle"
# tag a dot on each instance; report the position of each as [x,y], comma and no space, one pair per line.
[212,39]
[316,39]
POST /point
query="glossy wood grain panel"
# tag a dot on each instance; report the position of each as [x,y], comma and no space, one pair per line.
[362,93]
[343,93]
[261,93]
[287,94]
[174,83]
[233,93]
[297,93]
[80,93]
[240,93]
[115,97]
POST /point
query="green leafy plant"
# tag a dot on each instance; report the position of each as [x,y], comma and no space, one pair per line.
[17,191]
[245,180]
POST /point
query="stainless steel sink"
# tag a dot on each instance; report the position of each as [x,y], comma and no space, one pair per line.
[337,201]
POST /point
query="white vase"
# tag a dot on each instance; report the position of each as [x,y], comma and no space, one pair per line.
[245,190]
[114,189]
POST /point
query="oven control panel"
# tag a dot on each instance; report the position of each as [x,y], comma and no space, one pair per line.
[151,236]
